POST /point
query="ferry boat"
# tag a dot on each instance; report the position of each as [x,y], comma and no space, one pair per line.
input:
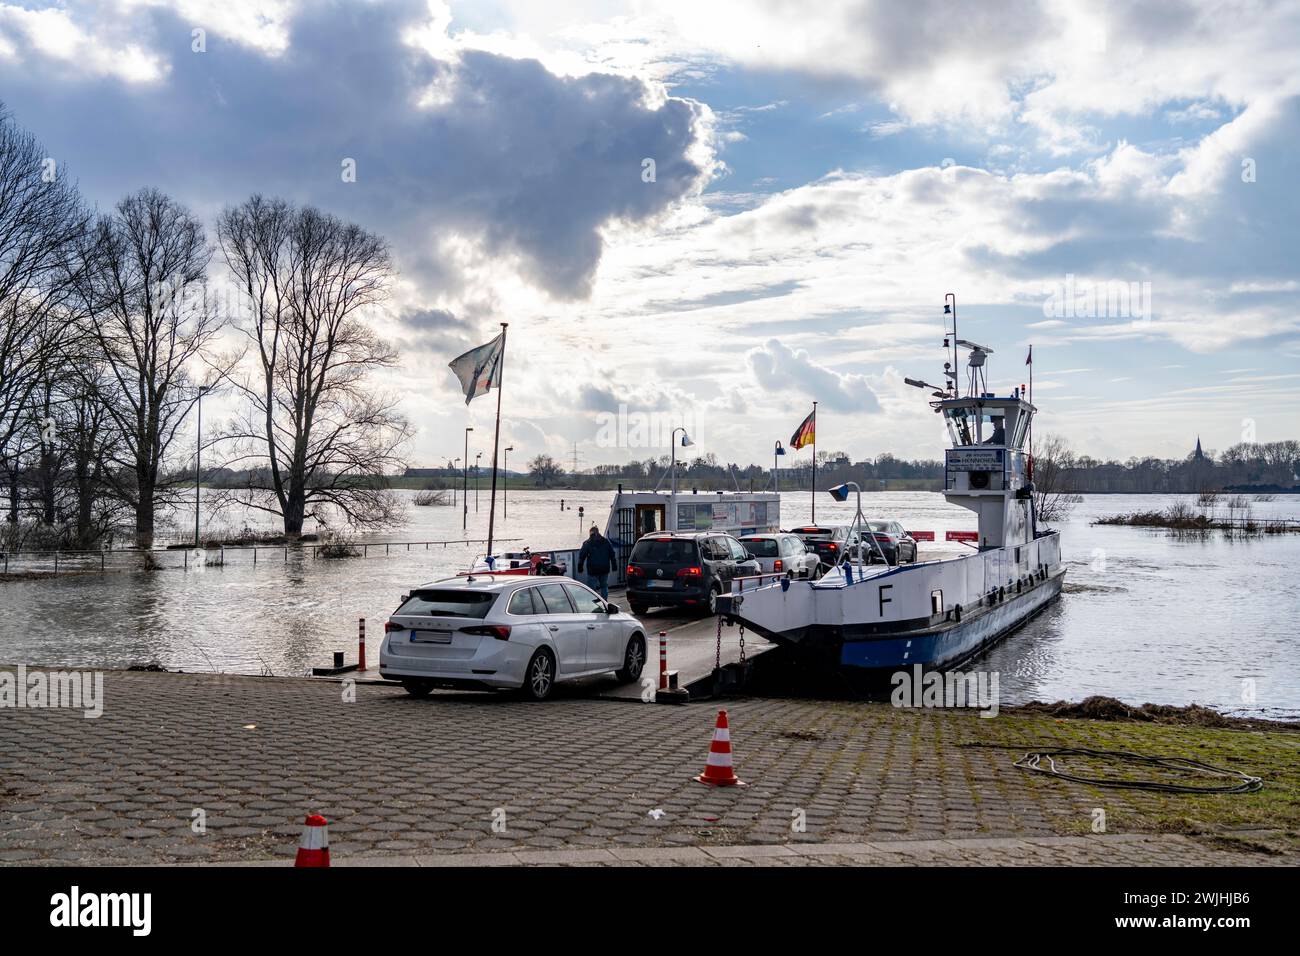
[935,613]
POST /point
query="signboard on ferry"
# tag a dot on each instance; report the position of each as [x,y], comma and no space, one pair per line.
[975,459]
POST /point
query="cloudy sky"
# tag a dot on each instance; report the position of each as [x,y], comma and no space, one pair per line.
[819,182]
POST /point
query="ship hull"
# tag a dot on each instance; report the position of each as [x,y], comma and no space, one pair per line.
[949,646]
[885,620]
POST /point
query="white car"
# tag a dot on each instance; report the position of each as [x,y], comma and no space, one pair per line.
[508,631]
[781,552]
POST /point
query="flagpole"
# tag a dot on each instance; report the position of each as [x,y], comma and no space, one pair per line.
[496,439]
[1031,400]
[814,468]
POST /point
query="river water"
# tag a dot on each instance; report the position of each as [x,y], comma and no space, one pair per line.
[1145,615]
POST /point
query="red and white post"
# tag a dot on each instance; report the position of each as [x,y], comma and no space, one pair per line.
[361,644]
[663,660]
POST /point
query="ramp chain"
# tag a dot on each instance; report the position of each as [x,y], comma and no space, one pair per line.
[717,659]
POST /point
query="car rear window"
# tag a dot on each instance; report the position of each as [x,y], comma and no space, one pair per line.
[762,547]
[664,551]
[448,603]
[522,602]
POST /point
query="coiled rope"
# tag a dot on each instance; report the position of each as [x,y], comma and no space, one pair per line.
[1033,762]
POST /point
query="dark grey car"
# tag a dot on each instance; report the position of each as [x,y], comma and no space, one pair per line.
[685,568]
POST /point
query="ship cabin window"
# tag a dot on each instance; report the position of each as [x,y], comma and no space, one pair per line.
[961,425]
[1023,418]
[936,602]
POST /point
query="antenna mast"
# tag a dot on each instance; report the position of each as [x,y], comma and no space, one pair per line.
[950,341]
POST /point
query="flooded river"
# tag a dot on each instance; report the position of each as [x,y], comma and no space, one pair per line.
[1145,616]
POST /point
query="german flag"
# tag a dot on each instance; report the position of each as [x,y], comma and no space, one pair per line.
[806,433]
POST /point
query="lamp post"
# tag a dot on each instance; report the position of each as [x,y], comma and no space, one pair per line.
[686,443]
[776,468]
[198,453]
[464,484]
[841,493]
[505,466]
[476,458]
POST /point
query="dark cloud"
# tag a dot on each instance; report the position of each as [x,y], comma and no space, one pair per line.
[531,164]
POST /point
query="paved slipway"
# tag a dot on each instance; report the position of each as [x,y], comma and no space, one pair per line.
[573,781]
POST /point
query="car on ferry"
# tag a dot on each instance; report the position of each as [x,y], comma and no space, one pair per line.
[891,541]
[828,542]
[685,568]
[783,553]
[510,632]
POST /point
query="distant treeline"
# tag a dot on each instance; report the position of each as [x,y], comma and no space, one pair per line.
[1267,466]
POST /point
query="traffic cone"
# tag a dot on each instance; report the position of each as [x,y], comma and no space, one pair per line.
[717,770]
[314,848]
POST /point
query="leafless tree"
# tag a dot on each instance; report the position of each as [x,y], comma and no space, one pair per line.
[41,219]
[1053,495]
[154,325]
[321,438]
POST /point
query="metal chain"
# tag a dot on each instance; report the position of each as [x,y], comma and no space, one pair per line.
[742,643]
[717,661]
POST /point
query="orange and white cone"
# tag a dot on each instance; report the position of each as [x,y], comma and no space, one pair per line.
[717,770]
[314,848]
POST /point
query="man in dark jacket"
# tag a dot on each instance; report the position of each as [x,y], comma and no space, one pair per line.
[598,557]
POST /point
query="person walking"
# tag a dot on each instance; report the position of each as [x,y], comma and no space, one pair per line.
[597,557]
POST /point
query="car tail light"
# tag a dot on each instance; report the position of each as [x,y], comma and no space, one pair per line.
[634,572]
[688,572]
[500,631]
[832,546]
[778,565]
[390,626]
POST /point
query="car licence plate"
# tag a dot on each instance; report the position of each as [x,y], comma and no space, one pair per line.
[661,584]
[431,637]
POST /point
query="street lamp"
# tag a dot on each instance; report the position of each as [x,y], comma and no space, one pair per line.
[841,493]
[198,453]
[505,467]
[776,470]
[686,443]
[464,484]
[476,459]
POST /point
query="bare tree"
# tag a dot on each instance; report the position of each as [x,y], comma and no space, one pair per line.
[323,436]
[1053,495]
[544,470]
[41,219]
[153,323]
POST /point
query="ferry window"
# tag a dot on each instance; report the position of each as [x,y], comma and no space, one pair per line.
[1022,428]
[960,425]
[993,427]
[936,602]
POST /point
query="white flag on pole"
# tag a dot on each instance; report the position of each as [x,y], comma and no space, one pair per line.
[479,370]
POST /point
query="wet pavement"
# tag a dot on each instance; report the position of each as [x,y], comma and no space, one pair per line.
[414,780]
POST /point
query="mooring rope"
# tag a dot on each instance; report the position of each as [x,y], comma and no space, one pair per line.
[1032,762]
